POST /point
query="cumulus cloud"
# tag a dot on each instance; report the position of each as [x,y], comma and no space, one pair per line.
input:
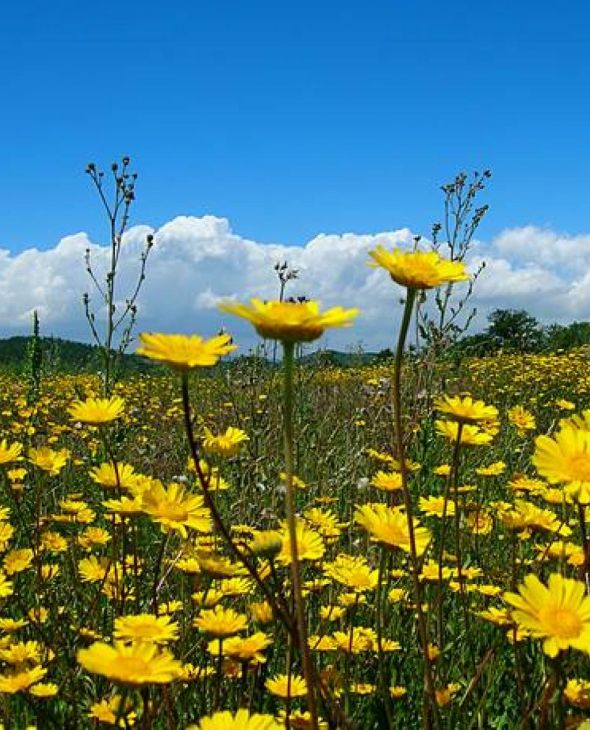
[198,261]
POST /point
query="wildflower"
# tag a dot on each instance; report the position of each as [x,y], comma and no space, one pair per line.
[522,419]
[108,710]
[48,460]
[565,459]
[220,622]
[577,693]
[465,410]
[97,411]
[470,435]
[133,664]
[492,470]
[17,560]
[387,481]
[44,690]
[290,321]
[9,453]
[184,352]
[389,527]
[418,269]
[20,680]
[286,686]
[310,545]
[266,543]
[111,475]
[224,444]
[173,508]
[353,572]
[436,506]
[242,720]
[559,614]
[145,627]
[247,650]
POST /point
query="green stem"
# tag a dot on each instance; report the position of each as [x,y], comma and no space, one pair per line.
[414,560]
[308,673]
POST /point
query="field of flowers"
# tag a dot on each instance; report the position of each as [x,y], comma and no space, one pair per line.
[236,545]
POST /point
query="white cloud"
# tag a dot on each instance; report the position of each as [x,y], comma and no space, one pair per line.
[197,261]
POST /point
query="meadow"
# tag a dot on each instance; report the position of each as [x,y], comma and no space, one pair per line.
[123,604]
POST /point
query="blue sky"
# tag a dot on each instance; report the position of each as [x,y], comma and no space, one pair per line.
[293,118]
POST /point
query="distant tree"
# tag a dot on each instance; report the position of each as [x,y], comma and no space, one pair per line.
[514,329]
[566,337]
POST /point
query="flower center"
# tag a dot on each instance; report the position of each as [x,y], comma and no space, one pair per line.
[132,666]
[172,511]
[562,622]
[579,467]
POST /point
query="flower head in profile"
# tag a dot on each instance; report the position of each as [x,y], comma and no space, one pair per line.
[97,411]
[220,622]
[184,352]
[146,627]
[243,649]
[113,475]
[242,720]
[286,686]
[389,526]
[471,435]
[465,410]
[224,444]
[49,460]
[9,452]
[559,613]
[290,321]
[130,664]
[418,269]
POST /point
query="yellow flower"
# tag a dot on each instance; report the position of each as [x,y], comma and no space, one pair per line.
[111,476]
[145,627]
[97,411]
[465,410]
[445,695]
[353,572]
[107,711]
[522,419]
[220,622]
[224,444]
[387,481]
[577,693]
[418,269]
[286,686]
[559,614]
[21,680]
[10,453]
[565,459]
[183,352]
[48,460]
[17,560]
[242,720]
[310,545]
[470,435]
[43,690]
[492,470]
[290,321]
[248,649]
[6,586]
[435,506]
[389,526]
[175,509]
[133,664]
